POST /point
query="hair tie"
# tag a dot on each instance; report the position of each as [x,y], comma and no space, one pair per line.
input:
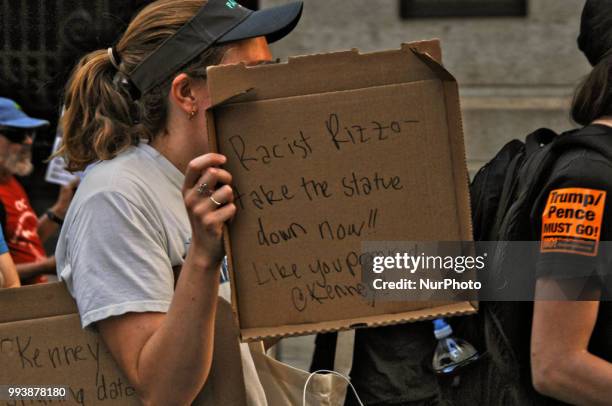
[114,56]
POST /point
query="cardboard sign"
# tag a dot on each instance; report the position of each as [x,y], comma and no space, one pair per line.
[42,344]
[56,170]
[328,151]
[571,222]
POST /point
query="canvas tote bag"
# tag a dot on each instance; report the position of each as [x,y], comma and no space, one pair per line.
[285,385]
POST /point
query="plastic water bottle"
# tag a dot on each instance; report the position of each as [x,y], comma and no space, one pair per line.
[451,352]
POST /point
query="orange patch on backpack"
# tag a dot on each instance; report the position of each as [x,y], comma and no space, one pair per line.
[571,221]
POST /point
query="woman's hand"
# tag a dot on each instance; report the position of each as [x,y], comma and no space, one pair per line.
[209,200]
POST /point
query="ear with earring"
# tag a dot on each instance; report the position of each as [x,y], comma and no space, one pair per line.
[193,113]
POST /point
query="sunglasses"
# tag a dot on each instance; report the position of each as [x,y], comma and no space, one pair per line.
[17,135]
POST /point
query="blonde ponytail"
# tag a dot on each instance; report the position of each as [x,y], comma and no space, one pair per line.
[101,117]
[96,123]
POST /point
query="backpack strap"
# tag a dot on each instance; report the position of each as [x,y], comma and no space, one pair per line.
[506,198]
[524,175]
[486,188]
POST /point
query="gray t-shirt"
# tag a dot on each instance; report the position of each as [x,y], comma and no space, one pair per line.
[126,229]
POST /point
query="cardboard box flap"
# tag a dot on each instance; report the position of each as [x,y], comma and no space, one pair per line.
[448,310]
[36,301]
[429,47]
[458,158]
[228,95]
[455,135]
[436,67]
[366,70]
[455,139]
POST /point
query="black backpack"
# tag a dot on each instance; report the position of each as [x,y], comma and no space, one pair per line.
[502,195]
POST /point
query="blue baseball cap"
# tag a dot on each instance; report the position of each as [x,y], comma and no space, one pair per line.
[11,115]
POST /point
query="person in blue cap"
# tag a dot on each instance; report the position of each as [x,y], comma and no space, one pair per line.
[141,246]
[25,232]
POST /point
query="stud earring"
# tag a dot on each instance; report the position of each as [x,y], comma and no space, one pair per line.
[192,113]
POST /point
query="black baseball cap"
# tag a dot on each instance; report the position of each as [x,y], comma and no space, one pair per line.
[595,39]
[217,22]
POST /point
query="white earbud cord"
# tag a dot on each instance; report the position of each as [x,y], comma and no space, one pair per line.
[331,372]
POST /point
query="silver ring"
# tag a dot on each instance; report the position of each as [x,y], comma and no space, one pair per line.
[203,189]
[212,199]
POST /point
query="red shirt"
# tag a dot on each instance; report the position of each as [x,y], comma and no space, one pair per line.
[21,229]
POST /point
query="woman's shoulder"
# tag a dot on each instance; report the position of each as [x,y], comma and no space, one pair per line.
[99,186]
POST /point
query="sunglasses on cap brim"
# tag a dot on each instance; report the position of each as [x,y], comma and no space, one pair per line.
[17,135]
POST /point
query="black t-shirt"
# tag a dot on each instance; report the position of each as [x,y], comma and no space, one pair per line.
[573,217]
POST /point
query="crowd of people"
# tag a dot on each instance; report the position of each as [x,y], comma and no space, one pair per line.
[140,245]
[24,233]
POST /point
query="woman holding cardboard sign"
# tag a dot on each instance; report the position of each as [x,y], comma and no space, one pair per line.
[571,343]
[155,200]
